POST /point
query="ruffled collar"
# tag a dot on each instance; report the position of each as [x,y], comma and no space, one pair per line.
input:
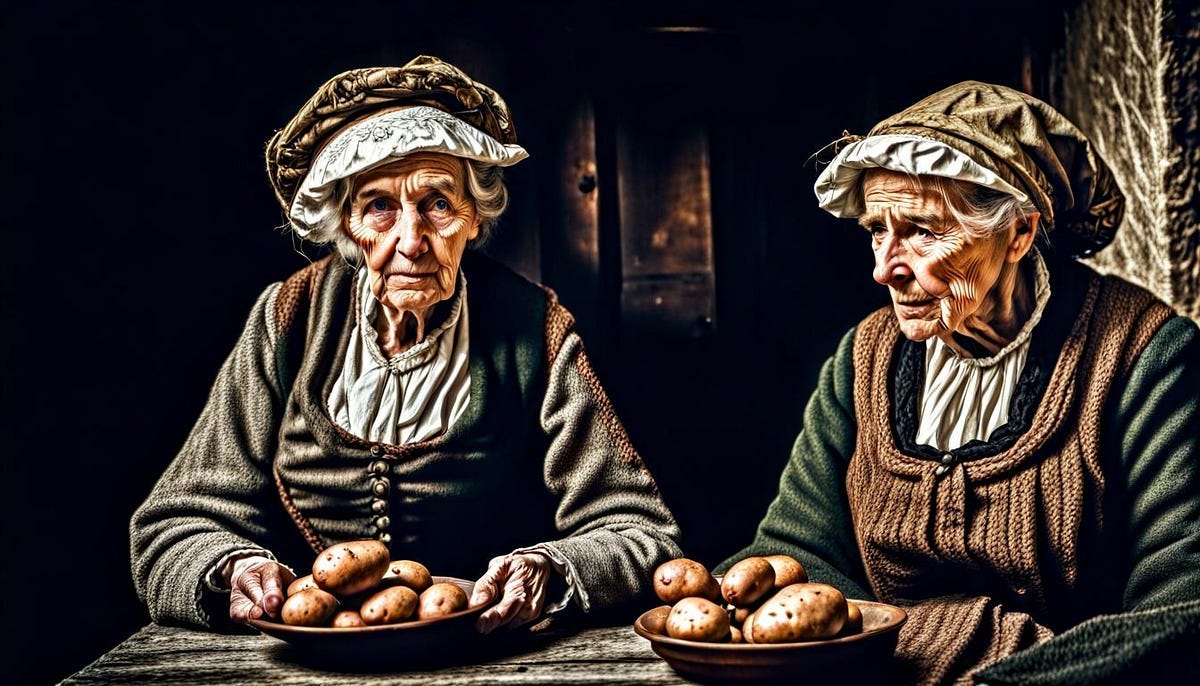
[419,354]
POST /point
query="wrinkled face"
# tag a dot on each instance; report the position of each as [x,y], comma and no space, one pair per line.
[937,275]
[412,219]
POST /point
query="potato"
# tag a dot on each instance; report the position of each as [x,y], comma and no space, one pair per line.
[300,584]
[655,620]
[854,619]
[741,613]
[408,573]
[347,619]
[681,578]
[440,600]
[748,629]
[351,567]
[389,606]
[698,619]
[788,570]
[747,581]
[309,607]
[800,612]
[735,635]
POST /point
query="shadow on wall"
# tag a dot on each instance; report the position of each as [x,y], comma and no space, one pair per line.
[147,228]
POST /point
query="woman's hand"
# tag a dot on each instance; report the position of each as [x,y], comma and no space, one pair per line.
[522,578]
[257,585]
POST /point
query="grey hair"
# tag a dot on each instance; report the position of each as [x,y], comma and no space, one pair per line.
[485,184]
[485,187]
[981,212]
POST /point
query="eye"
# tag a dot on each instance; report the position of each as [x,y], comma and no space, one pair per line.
[378,205]
[924,232]
[439,210]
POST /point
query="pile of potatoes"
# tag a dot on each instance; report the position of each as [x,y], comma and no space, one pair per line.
[357,584]
[766,599]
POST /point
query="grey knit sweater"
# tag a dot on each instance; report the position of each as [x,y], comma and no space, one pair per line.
[539,456]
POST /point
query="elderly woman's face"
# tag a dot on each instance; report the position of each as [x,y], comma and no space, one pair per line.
[937,274]
[412,219]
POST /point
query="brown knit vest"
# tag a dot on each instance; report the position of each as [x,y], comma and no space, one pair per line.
[1016,519]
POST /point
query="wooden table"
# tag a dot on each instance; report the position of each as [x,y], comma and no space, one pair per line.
[170,655]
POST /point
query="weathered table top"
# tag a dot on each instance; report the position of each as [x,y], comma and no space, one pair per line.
[170,655]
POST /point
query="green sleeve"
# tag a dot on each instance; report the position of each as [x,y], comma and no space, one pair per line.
[1154,427]
[810,517]
[1157,421]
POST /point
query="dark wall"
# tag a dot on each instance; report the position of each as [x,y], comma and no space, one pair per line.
[145,227]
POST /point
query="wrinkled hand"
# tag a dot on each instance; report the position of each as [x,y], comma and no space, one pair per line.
[522,578]
[257,585]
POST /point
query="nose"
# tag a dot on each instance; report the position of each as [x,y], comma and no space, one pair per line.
[411,238]
[891,262]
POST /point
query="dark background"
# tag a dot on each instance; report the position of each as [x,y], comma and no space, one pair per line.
[140,228]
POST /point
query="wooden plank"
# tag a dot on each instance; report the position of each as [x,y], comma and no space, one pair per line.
[580,186]
[679,306]
[172,655]
[667,281]
[664,193]
[576,246]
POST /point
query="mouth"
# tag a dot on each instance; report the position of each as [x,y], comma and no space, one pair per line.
[402,278]
[912,308]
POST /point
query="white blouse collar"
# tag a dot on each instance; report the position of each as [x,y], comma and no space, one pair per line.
[421,352]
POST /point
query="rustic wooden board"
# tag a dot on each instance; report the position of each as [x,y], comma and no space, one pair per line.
[171,655]
[664,191]
[668,285]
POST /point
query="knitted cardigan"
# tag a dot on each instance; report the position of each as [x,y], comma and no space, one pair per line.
[539,456]
[1081,512]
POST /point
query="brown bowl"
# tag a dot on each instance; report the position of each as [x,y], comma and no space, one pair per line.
[835,658]
[425,642]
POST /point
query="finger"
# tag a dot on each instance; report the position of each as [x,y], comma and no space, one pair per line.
[486,587]
[272,592]
[239,607]
[502,613]
[483,592]
[535,571]
[516,595]
[532,609]
[250,585]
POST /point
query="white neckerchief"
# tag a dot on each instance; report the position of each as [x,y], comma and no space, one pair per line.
[412,397]
[964,399]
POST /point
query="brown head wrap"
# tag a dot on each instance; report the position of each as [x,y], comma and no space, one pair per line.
[358,93]
[1032,147]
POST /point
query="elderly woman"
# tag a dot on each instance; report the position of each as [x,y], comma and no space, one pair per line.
[406,388]
[1009,450]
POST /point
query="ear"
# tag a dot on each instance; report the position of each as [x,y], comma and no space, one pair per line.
[475,229]
[1022,239]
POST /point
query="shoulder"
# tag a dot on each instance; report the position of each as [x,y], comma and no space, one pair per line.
[1174,345]
[497,291]
[1129,316]
[1113,292]
[1131,296]
[304,286]
[506,306]
[496,275]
